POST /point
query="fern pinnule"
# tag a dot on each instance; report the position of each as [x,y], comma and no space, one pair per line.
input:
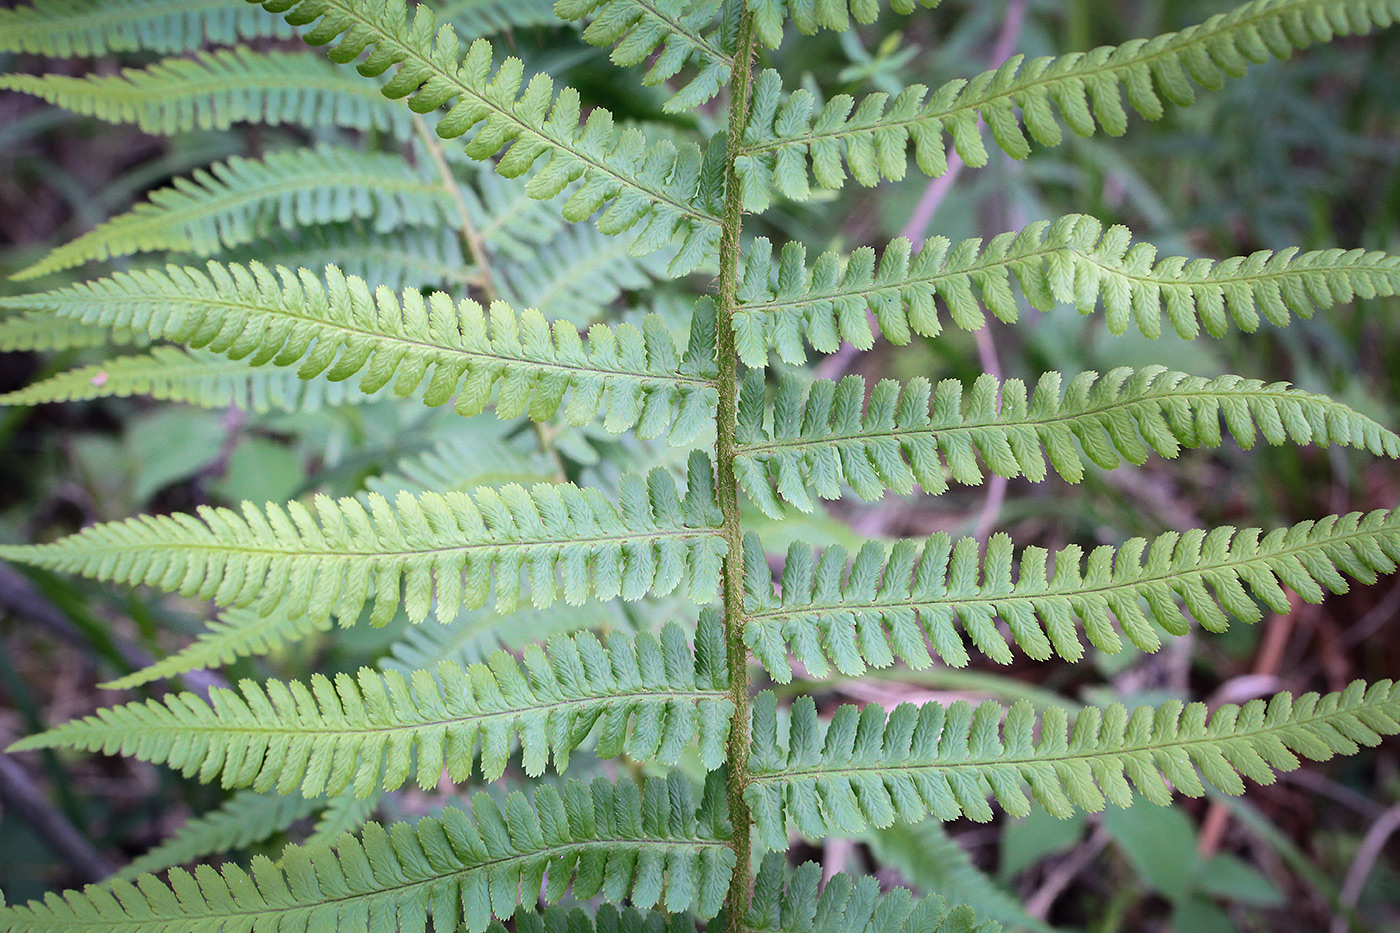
[334,325]
[215,90]
[237,201]
[783,137]
[861,769]
[446,550]
[653,845]
[785,304]
[897,601]
[823,434]
[195,377]
[70,28]
[653,697]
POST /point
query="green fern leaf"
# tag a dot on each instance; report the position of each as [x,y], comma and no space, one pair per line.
[237,201]
[800,904]
[237,633]
[649,698]
[861,769]
[652,846]
[338,327]
[654,189]
[870,138]
[481,456]
[193,377]
[896,601]
[344,813]
[1074,260]
[683,30]
[487,17]
[476,634]
[41,331]
[823,434]
[71,28]
[417,257]
[571,542]
[578,275]
[215,90]
[245,819]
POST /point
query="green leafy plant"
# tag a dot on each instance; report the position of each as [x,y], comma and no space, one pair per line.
[299,274]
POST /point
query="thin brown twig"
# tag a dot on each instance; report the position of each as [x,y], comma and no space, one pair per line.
[22,798]
[474,246]
[1362,865]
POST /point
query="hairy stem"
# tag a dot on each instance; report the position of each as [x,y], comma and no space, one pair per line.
[741,888]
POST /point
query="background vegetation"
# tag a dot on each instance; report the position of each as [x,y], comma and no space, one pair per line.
[1303,153]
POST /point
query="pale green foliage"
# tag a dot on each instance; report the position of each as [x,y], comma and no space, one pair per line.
[657,189]
[861,769]
[447,550]
[91,27]
[239,201]
[897,598]
[1071,261]
[652,845]
[235,634]
[334,325]
[371,730]
[243,820]
[195,377]
[786,135]
[215,90]
[820,438]
[557,568]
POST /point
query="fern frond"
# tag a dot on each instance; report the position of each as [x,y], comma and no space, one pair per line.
[415,257]
[897,600]
[578,274]
[1073,260]
[683,30]
[41,331]
[651,846]
[344,813]
[483,456]
[71,28]
[656,189]
[237,633]
[861,769]
[194,377]
[476,634]
[215,90]
[335,325]
[809,16]
[243,820]
[649,697]
[822,434]
[512,224]
[572,542]
[235,202]
[801,904]
[870,138]
[487,17]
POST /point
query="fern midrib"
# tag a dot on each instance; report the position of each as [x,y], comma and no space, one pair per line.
[424,347]
[677,28]
[1148,746]
[1153,402]
[19,552]
[1293,269]
[159,217]
[407,52]
[326,730]
[1230,564]
[1192,35]
[109,14]
[122,89]
[399,891]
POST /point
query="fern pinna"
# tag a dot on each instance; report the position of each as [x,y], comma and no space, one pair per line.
[462,233]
